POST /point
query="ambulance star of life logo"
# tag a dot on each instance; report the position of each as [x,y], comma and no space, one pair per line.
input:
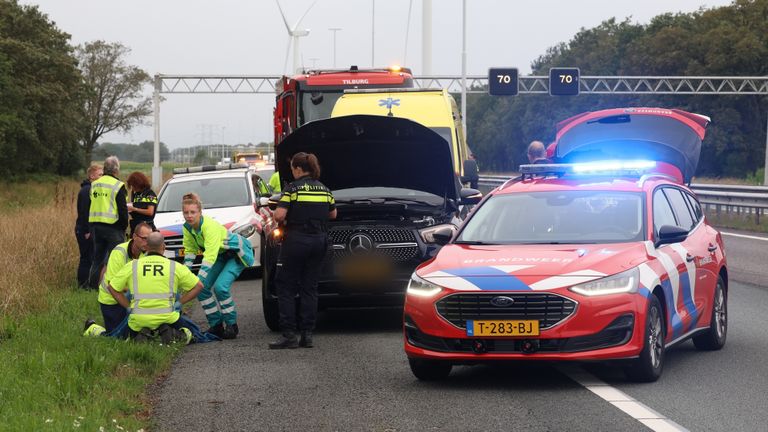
[389,103]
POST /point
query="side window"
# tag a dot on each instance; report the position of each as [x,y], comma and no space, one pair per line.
[698,214]
[662,211]
[680,206]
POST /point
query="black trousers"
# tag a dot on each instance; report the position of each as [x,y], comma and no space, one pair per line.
[298,269]
[113,315]
[105,238]
[85,245]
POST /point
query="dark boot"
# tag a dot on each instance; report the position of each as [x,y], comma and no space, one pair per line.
[166,334]
[145,335]
[89,322]
[306,339]
[287,340]
[217,330]
[231,332]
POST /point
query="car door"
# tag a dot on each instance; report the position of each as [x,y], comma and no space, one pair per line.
[667,260]
[708,262]
[696,282]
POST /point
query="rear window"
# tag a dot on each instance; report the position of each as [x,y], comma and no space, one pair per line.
[214,192]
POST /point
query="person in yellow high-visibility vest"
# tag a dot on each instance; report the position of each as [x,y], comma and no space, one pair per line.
[225,255]
[274,182]
[155,283]
[122,254]
[108,216]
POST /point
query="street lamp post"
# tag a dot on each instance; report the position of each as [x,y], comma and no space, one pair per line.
[334,30]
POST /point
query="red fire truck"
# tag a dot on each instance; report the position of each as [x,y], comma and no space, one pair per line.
[311,96]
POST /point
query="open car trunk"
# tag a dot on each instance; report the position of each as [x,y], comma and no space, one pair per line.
[656,134]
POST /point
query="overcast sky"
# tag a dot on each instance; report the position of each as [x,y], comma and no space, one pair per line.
[242,37]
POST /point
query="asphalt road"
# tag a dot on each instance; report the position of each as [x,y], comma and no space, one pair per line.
[357,378]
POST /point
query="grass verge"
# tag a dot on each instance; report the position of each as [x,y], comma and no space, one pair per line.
[744,222]
[55,379]
[52,377]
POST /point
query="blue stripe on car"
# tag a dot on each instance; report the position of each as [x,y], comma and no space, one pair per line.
[489,279]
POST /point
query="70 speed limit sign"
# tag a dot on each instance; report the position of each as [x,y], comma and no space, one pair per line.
[502,81]
[564,81]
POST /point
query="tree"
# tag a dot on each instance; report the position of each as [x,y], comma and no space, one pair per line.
[725,41]
[114,99]
[40,95]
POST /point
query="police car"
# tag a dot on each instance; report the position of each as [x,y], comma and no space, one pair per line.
[606,256]
[230,195]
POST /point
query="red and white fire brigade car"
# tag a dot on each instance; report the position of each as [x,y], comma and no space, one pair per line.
[605,255]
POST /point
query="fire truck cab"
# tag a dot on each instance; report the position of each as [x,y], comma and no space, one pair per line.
[312,95]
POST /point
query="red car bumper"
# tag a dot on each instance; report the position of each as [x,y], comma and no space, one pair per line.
[598,328]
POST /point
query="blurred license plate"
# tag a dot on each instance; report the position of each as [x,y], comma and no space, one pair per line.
[503,328]
[366,269]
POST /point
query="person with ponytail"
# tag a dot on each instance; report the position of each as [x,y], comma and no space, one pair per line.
[304,210]
[225,255]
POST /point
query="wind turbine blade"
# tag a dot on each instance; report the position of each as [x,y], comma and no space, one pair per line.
[287,27]
[298,23]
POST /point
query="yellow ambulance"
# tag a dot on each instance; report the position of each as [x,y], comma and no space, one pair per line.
[433,108]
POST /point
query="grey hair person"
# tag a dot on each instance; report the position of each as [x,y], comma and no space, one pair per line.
[112,166]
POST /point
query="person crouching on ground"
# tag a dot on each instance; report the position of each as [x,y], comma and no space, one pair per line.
[122,254]
[155,282]
[225,255]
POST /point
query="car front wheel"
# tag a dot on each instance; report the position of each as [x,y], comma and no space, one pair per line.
[429,370]
[648,366]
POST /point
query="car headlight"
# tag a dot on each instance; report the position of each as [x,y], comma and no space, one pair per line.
[245,230]
[420,287]
[624,282]
[427,233]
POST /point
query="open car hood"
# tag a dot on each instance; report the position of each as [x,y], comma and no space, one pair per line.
[369,151]
[664,135]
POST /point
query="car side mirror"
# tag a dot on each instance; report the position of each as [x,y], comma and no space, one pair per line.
[669,234]
[469,196]
[273,200]
[443,236]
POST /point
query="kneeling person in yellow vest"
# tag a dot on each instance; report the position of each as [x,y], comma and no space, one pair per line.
[155,282]
[122,254]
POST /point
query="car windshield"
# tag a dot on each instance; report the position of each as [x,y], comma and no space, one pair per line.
[215,192]
[318,105]
[386,194]
[557,217]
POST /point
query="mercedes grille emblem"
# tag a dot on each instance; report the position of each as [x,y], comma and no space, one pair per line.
[360,244]
[502,301]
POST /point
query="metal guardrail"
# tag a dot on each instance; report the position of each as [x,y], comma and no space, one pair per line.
[738,199]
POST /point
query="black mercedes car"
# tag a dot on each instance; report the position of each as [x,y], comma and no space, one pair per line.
[398,200]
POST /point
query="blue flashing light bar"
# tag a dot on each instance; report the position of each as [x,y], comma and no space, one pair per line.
[616,165]
[603,168]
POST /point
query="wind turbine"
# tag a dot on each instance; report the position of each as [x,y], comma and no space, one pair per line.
[294,34]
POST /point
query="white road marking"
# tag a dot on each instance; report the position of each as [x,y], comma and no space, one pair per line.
[635,409]
[744,236]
